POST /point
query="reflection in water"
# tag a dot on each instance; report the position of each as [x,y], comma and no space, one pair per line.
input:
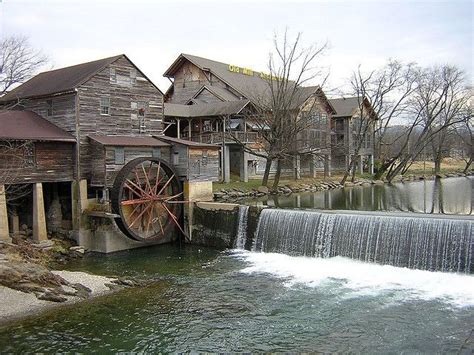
[446,196]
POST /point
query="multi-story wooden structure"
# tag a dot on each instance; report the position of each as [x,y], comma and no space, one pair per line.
[348,130]
[110,112]
[215,102]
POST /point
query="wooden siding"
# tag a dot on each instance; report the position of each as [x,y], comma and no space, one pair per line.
[130,153]
[188,80]
[97,154]
[124,94]
[64,111]
[52,162]
[207,96]
[203,164]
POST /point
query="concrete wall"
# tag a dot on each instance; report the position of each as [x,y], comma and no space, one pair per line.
[216,224]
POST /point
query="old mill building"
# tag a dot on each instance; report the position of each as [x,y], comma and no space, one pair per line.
[214,102]
[95,139]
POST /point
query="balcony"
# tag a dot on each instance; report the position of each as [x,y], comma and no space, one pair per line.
[230,137]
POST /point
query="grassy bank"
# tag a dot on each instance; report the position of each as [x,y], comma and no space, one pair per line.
[419,168]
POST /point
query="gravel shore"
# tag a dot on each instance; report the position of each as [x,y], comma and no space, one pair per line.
[16,304]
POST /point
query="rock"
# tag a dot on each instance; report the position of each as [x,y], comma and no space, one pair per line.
[263,189]
[378,182]
[218,194]
[45,244]
[78,249]
[81,290]
[349,184]
[53,297]
[24,227]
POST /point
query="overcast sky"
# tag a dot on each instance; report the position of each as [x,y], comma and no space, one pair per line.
[153,33]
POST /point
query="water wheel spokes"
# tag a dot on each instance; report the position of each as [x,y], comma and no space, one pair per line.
[146,196]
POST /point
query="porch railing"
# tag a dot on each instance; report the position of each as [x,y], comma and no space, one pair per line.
[230,137]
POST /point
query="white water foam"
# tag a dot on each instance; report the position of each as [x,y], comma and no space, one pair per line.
[363,278]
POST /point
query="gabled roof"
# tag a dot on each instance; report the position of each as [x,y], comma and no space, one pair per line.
[345,107]
[59,80]
[186,142]
[305,92]
[27,125]
[63,80]
[217,91]
[249,86]
[128,141]
[205,109]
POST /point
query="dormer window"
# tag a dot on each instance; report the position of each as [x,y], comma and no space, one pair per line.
[49,108]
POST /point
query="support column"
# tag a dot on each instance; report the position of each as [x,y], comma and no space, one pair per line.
[39,216]
[4,232]
[327,165]
[226,163]
[372,164]
[361,164]
[15,223]
[178,128]
[297,167]
[79,202]
[244,174]
[190,127]
[312,166]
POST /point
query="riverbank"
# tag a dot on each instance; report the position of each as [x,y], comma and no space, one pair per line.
[240,190]
[31,280]
[16,304]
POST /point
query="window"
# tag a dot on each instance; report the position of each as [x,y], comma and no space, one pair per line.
[133,76]
[49,108]
[113,75]
[119,155]
[105,105]
[141,107]
[204,158]
[141,112]
[156,152]
[324,119]
[175,158]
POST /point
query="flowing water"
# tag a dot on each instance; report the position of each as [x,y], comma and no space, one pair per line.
[427,243]
[314,282]
[242,227]
[444,196]
[238,301]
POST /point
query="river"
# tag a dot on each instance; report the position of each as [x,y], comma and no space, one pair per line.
[203,300]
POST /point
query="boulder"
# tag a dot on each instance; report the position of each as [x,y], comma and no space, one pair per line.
[263,189]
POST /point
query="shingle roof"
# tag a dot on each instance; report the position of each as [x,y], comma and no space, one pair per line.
[345,107]
[27,125]
[58,81]
[128,141]
[186,142]
[221,93]
[205,109]
[249,86]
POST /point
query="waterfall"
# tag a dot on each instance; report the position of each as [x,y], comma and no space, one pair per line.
[427,243]
[242,227]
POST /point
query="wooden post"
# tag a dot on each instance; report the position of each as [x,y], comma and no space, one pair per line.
[190,127]
[4,232]
[39,216]
[178,128]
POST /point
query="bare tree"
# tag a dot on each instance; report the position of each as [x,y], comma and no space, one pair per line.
[18,62]
[436,106]
[465,140]
[278,114]
[382,98]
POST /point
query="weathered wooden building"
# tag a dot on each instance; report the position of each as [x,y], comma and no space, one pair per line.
[348,131]
[111,113]
[33,152]
[215,102]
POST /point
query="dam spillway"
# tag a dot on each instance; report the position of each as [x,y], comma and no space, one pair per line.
[405,240]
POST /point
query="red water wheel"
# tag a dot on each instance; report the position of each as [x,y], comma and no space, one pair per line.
[147,197]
